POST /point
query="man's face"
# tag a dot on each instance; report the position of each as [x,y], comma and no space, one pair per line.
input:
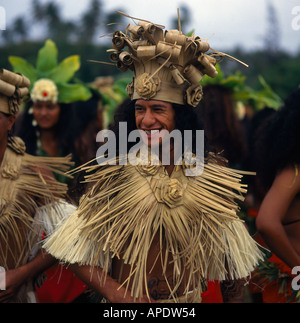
[152,117]
[6,124]
[46,114]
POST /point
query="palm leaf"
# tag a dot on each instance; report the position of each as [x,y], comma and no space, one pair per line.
[73,92]
[64,72]
[21,66]
[47,58]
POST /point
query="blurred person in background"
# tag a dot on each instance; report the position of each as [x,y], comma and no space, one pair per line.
[278,221]
[222,126]
[47,128]
[31,200]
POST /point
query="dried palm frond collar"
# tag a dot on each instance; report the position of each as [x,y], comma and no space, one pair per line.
[195,218]
[25,185]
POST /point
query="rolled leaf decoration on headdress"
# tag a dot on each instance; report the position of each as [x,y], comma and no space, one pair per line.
[13,88]
[48,68]
[167,65]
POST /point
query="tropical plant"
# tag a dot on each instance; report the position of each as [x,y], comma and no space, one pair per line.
[61,74]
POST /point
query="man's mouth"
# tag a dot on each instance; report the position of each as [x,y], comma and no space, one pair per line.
[152,132]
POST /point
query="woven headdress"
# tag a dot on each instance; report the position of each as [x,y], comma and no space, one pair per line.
[13,88]
[167,65]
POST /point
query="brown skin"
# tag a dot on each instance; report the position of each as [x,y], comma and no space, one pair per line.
[155,115]
[110,290]
[47,115]
[277,215]
[15,278]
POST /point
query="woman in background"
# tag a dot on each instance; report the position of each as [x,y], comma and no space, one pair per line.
[47,128]
[278,221]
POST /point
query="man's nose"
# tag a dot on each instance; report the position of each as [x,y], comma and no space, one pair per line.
[148,119]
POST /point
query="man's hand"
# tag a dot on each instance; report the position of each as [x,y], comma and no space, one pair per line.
[14,280]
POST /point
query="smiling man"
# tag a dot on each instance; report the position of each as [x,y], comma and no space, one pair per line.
[156,122]
[147,232]
[152,117]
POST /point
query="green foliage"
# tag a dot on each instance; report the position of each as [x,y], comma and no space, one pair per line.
[66,69]
[23,67]
[61,74]
[280,72]
[234,81]
[242,92]
[72,92]
[113,97]
[47,59]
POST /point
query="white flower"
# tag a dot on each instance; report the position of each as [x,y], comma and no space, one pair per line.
[44,90]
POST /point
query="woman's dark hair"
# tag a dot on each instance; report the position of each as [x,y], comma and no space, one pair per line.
[65,131]
[277,145]
[223,129]
[87,123]
[85,112]
[186,118]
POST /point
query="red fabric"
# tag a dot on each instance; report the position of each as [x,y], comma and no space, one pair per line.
[271,291]
[213,293]
[284,268]
[271,294]
[61,286]
[253,213]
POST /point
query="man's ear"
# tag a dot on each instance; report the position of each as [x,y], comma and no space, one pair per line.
[11,121]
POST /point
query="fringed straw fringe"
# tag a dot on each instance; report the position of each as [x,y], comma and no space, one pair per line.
[120,217]
[26,183]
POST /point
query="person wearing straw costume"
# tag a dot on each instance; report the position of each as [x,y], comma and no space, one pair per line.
[47,127]
[149,231]
[28,190]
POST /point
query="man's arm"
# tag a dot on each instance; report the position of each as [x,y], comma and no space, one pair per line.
[272,213]
[105,285]
[15,278]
